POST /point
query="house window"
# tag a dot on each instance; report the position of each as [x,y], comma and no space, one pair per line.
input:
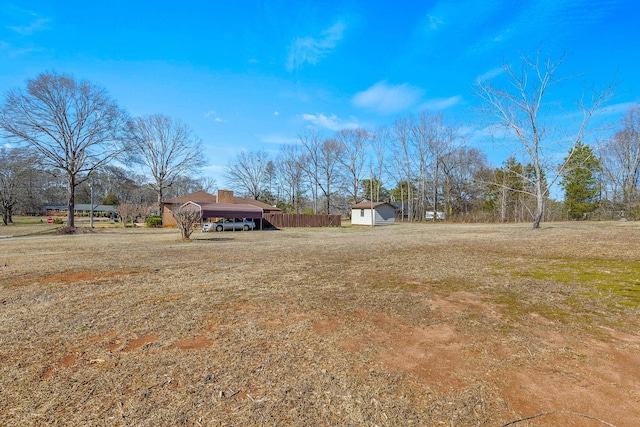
[361,212]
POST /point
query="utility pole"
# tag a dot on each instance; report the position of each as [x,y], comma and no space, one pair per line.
[91,197]
[373,221]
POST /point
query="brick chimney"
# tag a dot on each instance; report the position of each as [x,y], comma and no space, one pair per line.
[224,196]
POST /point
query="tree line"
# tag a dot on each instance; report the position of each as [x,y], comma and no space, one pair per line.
[423,165]
[69,135]
[70,141]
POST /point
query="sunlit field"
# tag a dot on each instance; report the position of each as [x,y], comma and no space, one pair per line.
[411,324]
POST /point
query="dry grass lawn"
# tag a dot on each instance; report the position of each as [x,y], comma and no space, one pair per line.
[455,325]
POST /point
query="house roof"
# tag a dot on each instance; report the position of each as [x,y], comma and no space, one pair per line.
[79,207]
[368,205]
[197,197]
[257,203]
[202,197]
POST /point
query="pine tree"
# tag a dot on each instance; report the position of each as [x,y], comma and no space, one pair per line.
[580,181]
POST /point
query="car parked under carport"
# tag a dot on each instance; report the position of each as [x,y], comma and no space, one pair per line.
[229,224]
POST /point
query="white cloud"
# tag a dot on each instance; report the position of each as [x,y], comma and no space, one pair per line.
[387,99]
[434,22]
[528,25]
[212,114]
[495,72]
[276,113]
[503,36]
[14,51]
[37,25]
[330,122]
[276,138]
[311,49]
[439,104]
[619,108]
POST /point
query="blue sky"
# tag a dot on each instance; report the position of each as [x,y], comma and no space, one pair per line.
[255,74]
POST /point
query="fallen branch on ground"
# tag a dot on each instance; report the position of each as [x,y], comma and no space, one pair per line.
[541,414]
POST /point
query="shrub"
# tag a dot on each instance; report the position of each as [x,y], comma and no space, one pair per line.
[66,230]
[154,221]
[58,221]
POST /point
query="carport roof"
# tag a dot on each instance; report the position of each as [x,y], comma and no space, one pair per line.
[230,210]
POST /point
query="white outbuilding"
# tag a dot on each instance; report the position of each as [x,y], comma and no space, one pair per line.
[373,213]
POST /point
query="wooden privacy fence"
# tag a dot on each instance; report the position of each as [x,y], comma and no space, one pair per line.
[301,220]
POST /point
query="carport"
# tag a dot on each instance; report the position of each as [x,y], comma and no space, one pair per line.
[231,210]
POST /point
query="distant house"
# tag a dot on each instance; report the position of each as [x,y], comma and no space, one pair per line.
[222,205]
[373,213]
[58,209]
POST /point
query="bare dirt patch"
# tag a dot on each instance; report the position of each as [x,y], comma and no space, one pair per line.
[68,277]
[405,325]
[197,343]
[137,343]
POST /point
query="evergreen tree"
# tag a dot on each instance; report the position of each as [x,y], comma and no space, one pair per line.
[505,195]
[379,192]
[110,199]
[580,181]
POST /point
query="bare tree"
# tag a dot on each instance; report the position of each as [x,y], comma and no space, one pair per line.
[129,210]
[208,184]
[621,161]
[404,161]
[523,109]
[420,142]
[464,171]
[328,161]
[15,164]
[187,216]
[247,172]
[32,182]
[352,146]
[74,125]
[433,141]
[310,162]
[167,150]
[185,185]
[380,142]
[443,141]
[290,172]
[121,184]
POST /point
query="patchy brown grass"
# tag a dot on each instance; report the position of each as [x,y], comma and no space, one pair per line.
[442,324]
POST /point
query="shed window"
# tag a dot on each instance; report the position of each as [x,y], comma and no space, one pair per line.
[361,212]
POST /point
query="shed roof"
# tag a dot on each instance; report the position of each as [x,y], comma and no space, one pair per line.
[367,205]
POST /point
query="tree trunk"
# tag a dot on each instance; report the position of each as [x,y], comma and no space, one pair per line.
[328,204]
[71,203]
[160,208]
[435,193]
[539,201]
